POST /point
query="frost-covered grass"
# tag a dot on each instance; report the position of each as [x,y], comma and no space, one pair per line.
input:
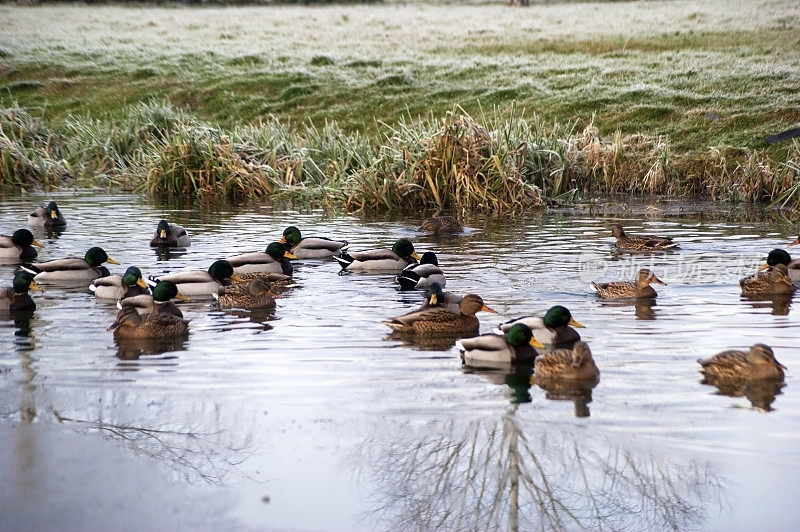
[702,82]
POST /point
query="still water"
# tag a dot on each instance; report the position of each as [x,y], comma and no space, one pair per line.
[312,417]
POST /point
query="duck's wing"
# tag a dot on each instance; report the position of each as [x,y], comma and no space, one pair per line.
[186,277]
[317,242]
[254,257]
[534,322]
[553,363]
[6,242]
[143,303]
[485,342]
[65,264]
[374,255]
[726,358]
[110,281]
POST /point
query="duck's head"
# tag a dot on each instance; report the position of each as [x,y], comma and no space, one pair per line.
[24,238]
[221,270]
[97,256]
[165,290]
[52,210]
[127,317]
[404,249]
[617,231]
[133,276]
[163,229]
[472,303]
[434,295]
[278,252]
[762,354]
[581,354]
[291,235]
[646,277]
[429,257]
[559,316]
[775,257]
[780,274]
[23,281]
[520,334]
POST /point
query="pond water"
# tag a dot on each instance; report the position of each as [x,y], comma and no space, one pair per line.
[313,417]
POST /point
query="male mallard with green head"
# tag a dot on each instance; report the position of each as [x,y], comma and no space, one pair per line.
[757,363]
[48,216]
[120,286]
[170,235]
[641,243]
[199,282]
[436,297]
[72,268]
[516,345]
[640,288]
[17,297]
[779,256]
[441,320]
[19,246]
[158,303]
[273,260]
[380,260]
[310,247]
[423,274]
[555,328]
[774,282]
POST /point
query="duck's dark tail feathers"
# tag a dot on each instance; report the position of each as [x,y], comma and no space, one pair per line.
[408,280]
[344,260]
[151,281]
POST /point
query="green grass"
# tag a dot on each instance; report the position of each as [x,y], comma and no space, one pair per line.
[720,75]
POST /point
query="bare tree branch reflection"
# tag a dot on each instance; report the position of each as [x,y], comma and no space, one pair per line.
[488,475]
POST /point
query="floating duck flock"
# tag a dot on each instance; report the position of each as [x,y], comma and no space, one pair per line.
[550,343]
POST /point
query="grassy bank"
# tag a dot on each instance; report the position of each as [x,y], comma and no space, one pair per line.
[665,97]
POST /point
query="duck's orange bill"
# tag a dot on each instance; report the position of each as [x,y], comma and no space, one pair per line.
[764,267]
[163,234]
[236,278]
[282,240]
[182,297]
[38,244]
[34,286]
[416,256]
[576,324]
[487,309]
[111,261]
[141,283]
[288,255]
[536,343]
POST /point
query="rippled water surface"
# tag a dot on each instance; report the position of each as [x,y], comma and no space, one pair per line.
[313,417]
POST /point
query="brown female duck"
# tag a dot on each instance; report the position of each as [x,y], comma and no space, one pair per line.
[629,289]
[441,224]
[254,295]
[441,320]
[574,364]
[131,324]
[757,363]
[641,243]
[775,282]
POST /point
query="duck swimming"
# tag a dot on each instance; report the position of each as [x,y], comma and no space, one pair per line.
[516,345]
[423,274]
[441,224]
[441,320]
[120,286]
[48,216]
[312,247]
[17,297]
[574,364]
[202,283]
[274,260]
[779,256]
[641,243]
[173,236]
[380,260]
[130,324]
[253,295]
[757,363]
[554,328]
[72,268]
[771,283]
[629,289]
[19,246]
[158,303]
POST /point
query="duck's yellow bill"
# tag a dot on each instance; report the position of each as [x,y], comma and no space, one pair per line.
[34,286]
[282,240]
[416,256]
[181,297]
[288,255]
[236,278]
[487,309]
[141,283]
[53,215]
[536,343]
[576,324]
[111,261]
[434,299]
[38,244]
[163,234]
[764,267]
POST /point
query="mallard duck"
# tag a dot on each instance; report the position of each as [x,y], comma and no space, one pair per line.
[72,268]
[553,329]
[640,243]
[514,346]
[158,303]
[17,297]
[254,295]
[311,247]
[120,286]
[199,282]
[772,283]
[436,297]
[131,324]
[574,364]
[279,279]
[173,236]
[423,274]
[441,320]
[757,363]
[779,256]
[441,224]
[629,289]
[380,260]
[48,216]
[19,246]
[274,260]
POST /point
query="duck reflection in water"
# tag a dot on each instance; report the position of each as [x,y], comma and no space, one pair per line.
[779,304]
[644,308]
[422,342]
[761,394]
[133,348]
[516,376]
[164,253]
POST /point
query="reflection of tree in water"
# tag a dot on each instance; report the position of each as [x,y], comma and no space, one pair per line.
[493,475]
